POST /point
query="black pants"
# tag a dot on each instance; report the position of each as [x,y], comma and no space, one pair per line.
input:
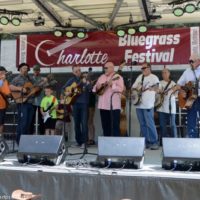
[110,121]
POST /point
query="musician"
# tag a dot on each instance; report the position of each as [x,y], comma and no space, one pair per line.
[110,111]
[192,74]
[4,92]
[167,111]
[25,110]
[80,105]
[48,107]
[145,110]
[38,79]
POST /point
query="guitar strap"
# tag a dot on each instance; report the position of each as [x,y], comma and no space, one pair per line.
[52,103]
[166,87]
[142,83]
[196,82]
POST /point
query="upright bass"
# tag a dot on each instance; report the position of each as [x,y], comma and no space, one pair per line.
[123,120]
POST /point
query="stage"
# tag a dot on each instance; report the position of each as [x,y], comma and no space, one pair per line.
[75,179]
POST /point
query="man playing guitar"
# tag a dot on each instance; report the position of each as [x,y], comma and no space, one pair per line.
[167,110]
[145,109]
[24,108]
[192,74]
[4,92]
[110,110]
[80,104]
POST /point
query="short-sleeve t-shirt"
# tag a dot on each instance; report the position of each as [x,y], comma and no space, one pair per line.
[4,90]
[46,102]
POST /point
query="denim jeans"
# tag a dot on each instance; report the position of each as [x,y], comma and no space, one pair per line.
[192,115]
[147,125]
[164,119]
[110,121]
[80,115]
[25,113]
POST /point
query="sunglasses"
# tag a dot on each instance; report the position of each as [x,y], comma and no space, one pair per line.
[143,68]
[105,68]
[191,61]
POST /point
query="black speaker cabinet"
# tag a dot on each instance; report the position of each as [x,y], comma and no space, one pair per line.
[41,149]
[184,152]
[122,150]
[3,149]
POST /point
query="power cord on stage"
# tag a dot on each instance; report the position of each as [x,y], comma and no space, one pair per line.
[109,162]
[191,167]
[175,163]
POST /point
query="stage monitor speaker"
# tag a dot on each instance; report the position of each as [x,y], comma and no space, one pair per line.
[125,150]
[3,149]
[41,149]
[182,153]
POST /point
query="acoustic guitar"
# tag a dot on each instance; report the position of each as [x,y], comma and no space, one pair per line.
[31,90]
[72,92]
[187,98]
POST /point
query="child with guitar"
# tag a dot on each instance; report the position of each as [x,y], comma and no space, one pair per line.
[48,108]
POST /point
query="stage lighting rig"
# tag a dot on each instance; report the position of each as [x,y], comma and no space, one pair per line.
[184,6]
[131,28]
[70,31]
[11,16]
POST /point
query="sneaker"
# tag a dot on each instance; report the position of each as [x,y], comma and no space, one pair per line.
[148,146]
[75,145]
[91,142]
[154,147]
[82,146]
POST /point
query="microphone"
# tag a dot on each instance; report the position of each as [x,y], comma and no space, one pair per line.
[134,62]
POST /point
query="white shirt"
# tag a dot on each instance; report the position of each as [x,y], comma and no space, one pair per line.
[188,75]
[148,97]
[169,98]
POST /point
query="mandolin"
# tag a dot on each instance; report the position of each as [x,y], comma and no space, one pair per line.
[104,86]
[187,95]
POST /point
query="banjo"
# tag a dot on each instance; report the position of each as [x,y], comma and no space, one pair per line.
[159,99]
[136,94]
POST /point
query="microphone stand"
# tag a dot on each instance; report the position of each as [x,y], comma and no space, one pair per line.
[130,103]
[111,110]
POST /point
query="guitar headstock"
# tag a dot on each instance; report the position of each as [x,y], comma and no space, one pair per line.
[122,64]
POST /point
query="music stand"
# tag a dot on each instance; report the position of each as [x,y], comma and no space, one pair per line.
[130,103]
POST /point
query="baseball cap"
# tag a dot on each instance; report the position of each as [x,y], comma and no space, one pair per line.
[36,67]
